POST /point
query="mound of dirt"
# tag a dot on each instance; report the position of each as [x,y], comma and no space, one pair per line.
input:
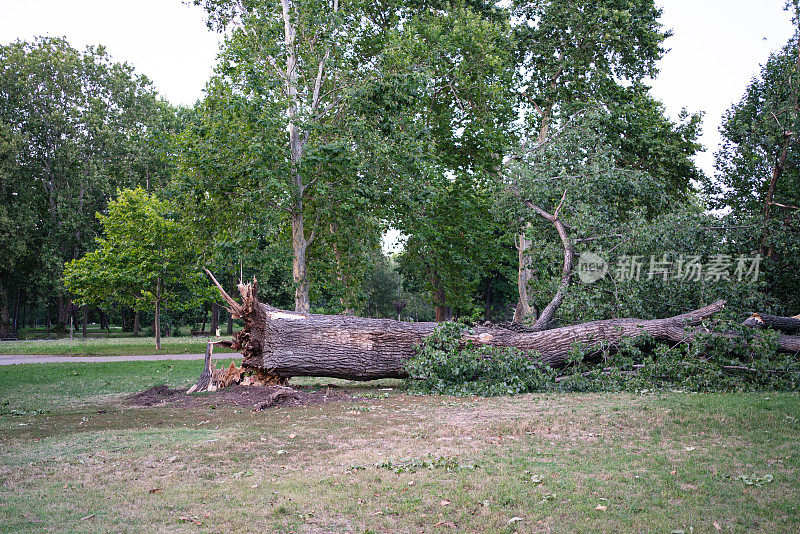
[154,395]
[252,397]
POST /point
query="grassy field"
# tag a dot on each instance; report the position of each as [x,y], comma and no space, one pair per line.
[109,346]
[73,457]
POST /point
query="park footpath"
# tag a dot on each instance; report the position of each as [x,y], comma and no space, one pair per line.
[16,359]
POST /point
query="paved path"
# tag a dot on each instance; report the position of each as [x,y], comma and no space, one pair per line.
[13,359]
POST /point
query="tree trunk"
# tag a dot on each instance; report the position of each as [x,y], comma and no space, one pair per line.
[288,344]
[158,326]
[442,312]
[214,318]
[136,323]
[104,322]
[62,309]
[5,313]
[15,319]
[789,325]
[302,303]
[523,308]
[5,316]
[84,321]
[158,311]
[229,330]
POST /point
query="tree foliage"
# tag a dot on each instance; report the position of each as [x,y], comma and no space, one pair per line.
[145,260]
[85,125]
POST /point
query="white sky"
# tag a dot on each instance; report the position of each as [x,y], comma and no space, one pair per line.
[716,49]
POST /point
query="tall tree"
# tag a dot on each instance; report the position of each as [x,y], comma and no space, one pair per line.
[83,121]
[299,64]
[757,177]
[144,260]
[757,161]
[459,115]
[576,55]
[18,225]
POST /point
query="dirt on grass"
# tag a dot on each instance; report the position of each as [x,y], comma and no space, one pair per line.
[254,397]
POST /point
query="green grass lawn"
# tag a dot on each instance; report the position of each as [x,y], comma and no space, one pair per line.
[108,346]
[74,458]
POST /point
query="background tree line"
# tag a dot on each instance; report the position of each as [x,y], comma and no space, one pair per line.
[329,122]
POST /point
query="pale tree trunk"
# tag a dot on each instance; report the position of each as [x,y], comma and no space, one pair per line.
[302,302]
[524,276]
[548,313]
[524,308]
[296,145]
[545,320]
[297,142]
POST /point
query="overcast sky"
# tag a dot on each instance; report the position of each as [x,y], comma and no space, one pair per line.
[717,47]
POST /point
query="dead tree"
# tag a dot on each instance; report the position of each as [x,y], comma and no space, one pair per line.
[281,344]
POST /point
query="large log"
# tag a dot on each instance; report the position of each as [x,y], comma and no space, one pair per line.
[285,343]
[789,325]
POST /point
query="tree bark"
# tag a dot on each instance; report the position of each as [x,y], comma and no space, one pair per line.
[229,330]
[442,312]
[523,308]
[158,317]
[62,309]
[5,313]
[789,325]
[15,318]
[136,323]
[546,318]
[84,321]
[214,318]
[302,303]
[158,326]
[288,344]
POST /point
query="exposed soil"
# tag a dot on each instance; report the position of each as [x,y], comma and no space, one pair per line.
[260,397]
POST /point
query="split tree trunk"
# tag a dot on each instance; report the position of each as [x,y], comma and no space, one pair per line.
[288,344]
[524,275]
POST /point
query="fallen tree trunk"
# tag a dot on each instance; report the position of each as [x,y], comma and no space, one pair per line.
[789,325]
[285,344]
